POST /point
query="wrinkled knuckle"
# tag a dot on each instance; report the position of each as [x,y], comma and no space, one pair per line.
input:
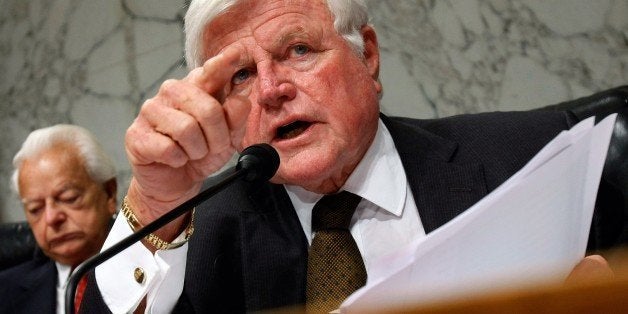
[185,128]
[148,106]
[213,114]
[212,108]
[131,135]
[194,73]
[168,86]
[173,156]
[136,132]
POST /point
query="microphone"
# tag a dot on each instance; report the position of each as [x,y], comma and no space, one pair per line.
[261,162]
[258,162]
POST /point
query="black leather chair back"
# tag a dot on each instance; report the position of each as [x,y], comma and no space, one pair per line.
[601,105]
[17,244]
[612,201]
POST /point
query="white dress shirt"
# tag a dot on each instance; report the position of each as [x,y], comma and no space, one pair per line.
[63,272]
[386,219]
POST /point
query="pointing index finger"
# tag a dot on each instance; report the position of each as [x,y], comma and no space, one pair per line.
[217,72]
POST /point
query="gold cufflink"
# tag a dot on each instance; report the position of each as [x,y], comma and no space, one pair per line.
[139,275]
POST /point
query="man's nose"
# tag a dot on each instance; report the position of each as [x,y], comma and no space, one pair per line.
[275,85]
[54,213]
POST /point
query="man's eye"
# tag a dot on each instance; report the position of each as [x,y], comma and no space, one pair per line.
[34,210]
[300,50]
[69,199]
[240,76]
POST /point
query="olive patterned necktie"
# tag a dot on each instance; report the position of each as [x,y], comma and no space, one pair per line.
[335,268]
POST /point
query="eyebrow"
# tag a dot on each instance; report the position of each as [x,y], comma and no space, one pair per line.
[289,36]
[26,201]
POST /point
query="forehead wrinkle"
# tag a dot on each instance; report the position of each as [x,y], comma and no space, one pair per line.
[254,20]
[64,186]
[275,37]
[61,159]
[215,45]
[222,31]
[288,36]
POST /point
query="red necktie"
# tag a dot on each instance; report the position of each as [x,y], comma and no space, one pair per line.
[79,293]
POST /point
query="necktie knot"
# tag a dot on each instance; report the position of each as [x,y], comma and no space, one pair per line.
[334,211]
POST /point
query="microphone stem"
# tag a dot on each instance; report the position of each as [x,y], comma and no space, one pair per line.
[98,259]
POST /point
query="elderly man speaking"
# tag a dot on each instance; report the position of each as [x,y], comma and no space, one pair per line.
[353,184]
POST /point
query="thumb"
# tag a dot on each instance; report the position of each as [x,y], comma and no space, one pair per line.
[590,268]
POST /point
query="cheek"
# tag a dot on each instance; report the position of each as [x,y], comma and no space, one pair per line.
[253,129]
[247,140]
[84,216]
[84,221]
[348,86]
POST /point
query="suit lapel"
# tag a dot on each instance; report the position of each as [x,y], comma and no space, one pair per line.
[442,188]
[274,249]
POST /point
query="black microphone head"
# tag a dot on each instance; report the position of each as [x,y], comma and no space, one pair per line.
[260,160]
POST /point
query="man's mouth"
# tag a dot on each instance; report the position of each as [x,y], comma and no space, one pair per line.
[65,238]
[292,130]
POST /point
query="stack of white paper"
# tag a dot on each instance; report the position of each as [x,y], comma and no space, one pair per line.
[533,229]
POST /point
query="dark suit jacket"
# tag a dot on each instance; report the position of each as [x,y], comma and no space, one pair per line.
[29,287]
[249,251]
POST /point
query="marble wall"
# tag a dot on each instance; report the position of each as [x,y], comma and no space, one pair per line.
[93,62]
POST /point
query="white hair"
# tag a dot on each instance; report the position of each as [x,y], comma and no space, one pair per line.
[349,17]
[98,164]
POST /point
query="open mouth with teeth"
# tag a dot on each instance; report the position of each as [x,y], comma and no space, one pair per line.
[292,130]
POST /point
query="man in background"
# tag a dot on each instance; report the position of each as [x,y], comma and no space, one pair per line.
[67,185]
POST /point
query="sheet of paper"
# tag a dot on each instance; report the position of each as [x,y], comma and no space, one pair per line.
[531,230]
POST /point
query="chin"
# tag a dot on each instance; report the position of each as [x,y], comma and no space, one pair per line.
[310,178]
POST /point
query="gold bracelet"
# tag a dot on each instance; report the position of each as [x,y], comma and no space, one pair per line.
[154,240]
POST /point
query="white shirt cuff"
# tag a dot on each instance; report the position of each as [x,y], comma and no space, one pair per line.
[163,274]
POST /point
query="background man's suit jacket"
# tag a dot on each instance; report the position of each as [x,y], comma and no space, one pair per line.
[30,287]
[249,251]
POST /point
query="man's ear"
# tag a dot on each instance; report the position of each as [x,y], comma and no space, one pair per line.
[111,188]
[371,54]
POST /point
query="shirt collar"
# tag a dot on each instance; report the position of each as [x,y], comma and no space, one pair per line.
[63,272]
[378,178]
